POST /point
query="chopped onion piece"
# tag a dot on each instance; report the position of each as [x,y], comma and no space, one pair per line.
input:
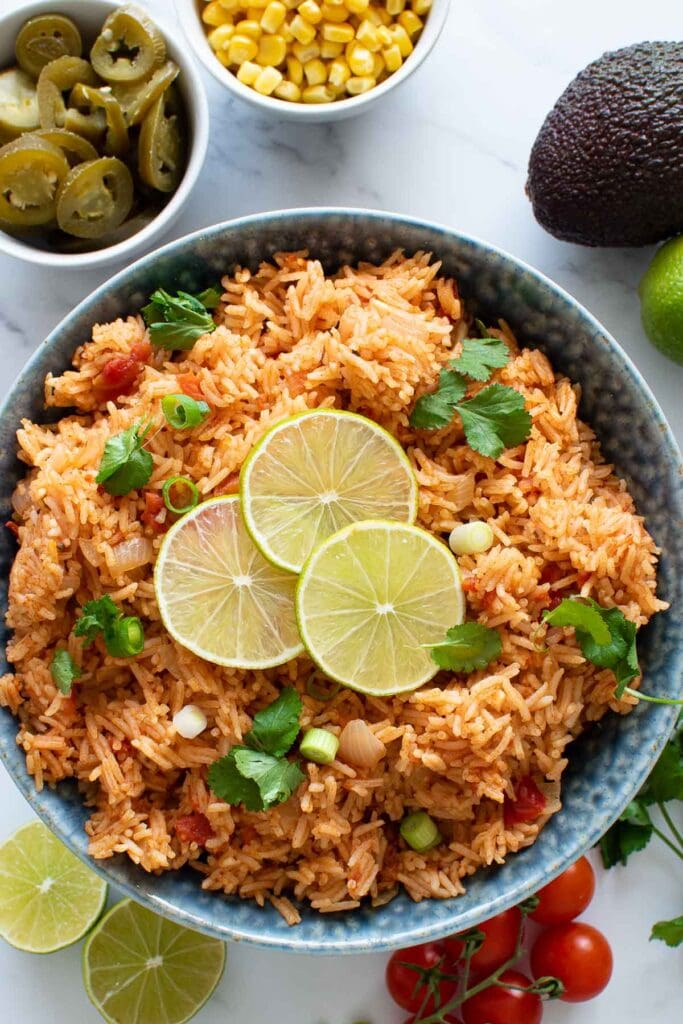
[358,745]
[130,554]
[471,538]
[189,721]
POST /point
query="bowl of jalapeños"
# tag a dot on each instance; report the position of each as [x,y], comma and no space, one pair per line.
[103,131]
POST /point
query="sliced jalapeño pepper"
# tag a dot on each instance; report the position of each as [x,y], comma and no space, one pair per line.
[136,98]
[56,78]
[75,148]
[88,101]
[45,38]
[31,171]
[95,198]
[128,48]
[18,104]
[161,150]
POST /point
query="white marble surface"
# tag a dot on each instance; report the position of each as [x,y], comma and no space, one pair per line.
[451,146]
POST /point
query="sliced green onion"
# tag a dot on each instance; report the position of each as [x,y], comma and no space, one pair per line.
[183,412]
[127,638]
[189,486]
[320,746]
[471,538]
[321,690]
[420,831]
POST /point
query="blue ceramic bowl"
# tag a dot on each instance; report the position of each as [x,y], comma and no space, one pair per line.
[608,763]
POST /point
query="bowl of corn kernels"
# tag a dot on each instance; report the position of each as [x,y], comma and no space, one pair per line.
[312,60]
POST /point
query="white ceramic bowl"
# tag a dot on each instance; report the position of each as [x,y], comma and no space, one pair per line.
[89,15]
[189,17]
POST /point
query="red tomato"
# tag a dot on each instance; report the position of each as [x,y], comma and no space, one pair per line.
[529,803]
[141,351]
[577,954]
[500,1005]
[154,503]
[119,376]
[568,896]
[447,1018]
[191,386]
[404,984]
[193,828]
[500,943]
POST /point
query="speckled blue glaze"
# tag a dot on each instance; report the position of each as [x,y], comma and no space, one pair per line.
[609,763]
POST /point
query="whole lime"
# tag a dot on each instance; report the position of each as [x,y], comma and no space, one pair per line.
[661,300]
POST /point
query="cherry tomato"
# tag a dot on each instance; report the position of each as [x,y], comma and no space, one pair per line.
[529,803]
[567,896]
[577,954]
[500,943]
[500,1005]
[404,984]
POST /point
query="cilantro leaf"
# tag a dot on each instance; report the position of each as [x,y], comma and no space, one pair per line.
[210,298]
[97,617]
[670,932]
[495,419]
[64,670]
[467,647]
[275,777]
[276,727]
[617,650]
[177,321]
[125,465]
[623,839]
[436,409]
[230,785]
[666,779]
[480,356]
[573,612]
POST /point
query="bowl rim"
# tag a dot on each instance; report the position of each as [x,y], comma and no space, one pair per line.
[198,108]
[190,21]
[404,935]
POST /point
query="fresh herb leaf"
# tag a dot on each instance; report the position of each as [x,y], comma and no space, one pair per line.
[230,785]
[210,298]
[480,357]
[97,617]
[436,409]
[666,779]
[582,616]
[670,932]
[615,650]
[276,727]
[495,419]
[623,839]
[275,777]
[177,321]
[64,670]
[467,647]
[126,465]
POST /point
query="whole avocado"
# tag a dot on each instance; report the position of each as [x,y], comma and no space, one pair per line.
[607,165]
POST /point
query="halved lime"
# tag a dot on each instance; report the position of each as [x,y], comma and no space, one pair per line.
[48,898]
[370,597]
[217,594]
[139,968]
[316,472]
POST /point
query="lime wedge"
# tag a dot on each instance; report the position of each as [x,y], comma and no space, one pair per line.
[316,472]
[139,968]
[217,594]
[368,599]
[48,898]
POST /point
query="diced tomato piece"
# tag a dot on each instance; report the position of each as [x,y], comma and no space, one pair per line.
[12,527]
[528,805]
[583,578]
[488,598]
[154,503]
[141,351]
[191,386]
[193,828]
[552,572]
[119,376]
[470,584]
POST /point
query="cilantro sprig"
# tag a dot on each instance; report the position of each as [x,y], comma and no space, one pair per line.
[467,647]
[64,670]
[126,465]
[257,774]
[494,419]
[175,322]
[606,637]
[123,635]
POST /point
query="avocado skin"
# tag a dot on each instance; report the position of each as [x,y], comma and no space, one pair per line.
[607,165]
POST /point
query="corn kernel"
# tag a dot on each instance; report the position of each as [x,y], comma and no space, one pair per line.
[272,50]
[411,23]
[291,4]
[310,11]
[222,57]
[301,30]
[219,38]
[373,16]
[334,14]
[295,70]
[392,57]
[242,48]
[305,53]
[421,6]
[273,16]
[343,33]
[378,66]
[230,5]
[384,35]
[214,14]
[338,74]
[248,28]
[402,39]
[395,7]
[288,91]
[367,34]
[258,5]
[356,86]
[286,33]
[360,60]
[357,6]
[384,17]
[253,14]
[268,81]
[248,72]
[317,94]
[315,72]
[330,51]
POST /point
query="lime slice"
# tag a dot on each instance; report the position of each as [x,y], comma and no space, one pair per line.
[217,594]
[139,968]
[316,472]
[48,898]
[368,599]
